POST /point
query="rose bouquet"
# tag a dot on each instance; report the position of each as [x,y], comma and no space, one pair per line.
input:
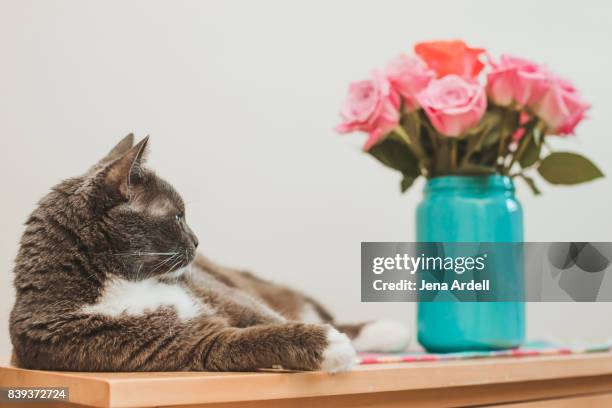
[430,115]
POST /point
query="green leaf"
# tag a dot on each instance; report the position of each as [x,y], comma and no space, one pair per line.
[406,183]
[531,154]
[491,138]
[486,132]
[411,126]
[531,184]
[398,156]
[568,168]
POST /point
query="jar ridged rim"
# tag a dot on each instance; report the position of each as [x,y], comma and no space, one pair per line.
[462,182]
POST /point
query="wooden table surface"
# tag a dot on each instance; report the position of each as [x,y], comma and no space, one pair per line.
[573,380]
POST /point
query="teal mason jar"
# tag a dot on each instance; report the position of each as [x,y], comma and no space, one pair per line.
[472,209]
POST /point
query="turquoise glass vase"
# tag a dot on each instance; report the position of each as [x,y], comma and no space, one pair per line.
[472,209]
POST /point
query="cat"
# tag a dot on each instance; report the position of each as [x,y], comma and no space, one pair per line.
[107,278]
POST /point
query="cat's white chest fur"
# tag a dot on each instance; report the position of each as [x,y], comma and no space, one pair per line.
[137,298]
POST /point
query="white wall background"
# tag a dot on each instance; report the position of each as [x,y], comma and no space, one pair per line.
[240,99]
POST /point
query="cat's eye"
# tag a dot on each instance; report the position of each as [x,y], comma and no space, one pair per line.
[178,217]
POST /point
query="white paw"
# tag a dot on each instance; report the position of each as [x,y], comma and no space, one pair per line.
[339,355]
[382,335]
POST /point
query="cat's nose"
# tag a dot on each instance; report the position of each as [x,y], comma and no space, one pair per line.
[194,239]
[192,236]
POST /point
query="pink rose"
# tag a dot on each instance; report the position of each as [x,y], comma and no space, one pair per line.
[371,106]
[517,80]
[453,104]
[501,84]
[408,76]
[532,80]
[561,107]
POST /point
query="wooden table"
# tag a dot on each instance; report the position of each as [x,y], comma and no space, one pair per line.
[548,381]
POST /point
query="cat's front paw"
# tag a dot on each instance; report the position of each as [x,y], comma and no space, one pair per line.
[339,354]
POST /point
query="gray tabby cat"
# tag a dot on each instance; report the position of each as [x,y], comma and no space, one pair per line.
[101,286]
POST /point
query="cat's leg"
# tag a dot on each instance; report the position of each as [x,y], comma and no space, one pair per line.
[76,341]
[162,341]
[379,335]
[290,345]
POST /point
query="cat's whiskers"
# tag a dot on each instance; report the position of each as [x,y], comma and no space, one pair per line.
[146,253]
[138,271]
[171,269]
[160,264]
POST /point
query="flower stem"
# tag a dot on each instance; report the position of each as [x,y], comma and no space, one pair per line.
[519,152]
[503,137]
[523,146]
[508,127]
[402,133]
[453,155]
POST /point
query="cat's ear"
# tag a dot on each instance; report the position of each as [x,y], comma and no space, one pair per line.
[119,150]
[126,169]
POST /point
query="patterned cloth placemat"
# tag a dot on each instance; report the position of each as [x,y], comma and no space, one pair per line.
[533,348]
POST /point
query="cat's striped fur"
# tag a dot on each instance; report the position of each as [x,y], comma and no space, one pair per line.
[107,278]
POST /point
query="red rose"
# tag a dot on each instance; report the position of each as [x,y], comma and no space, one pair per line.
[451,57]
